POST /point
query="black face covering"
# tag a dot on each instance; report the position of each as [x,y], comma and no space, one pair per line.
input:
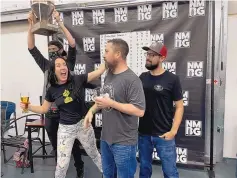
[53,54]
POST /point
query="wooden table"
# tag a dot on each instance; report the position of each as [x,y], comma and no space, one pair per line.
[37,124]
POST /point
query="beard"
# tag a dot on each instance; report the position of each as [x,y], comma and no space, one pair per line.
[151,66]
[111,65]
[106,65]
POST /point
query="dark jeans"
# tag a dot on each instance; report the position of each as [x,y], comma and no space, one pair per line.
[118,158]
[166,150]
[51,126]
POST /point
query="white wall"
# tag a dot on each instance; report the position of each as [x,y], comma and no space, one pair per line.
[232,7]
[230,122]
[19,72]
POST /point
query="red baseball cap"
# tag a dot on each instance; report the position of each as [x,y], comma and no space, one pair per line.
[158,48]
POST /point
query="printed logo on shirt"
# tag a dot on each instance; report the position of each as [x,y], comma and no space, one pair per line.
[169,10]
[193,128]
[98,120]
[182,155]
[79,69]
[196,8]
[108,91]
[158,87]
[195,69]
[67,98]
[98,16]
[159,37]
[89,44]
[89,95]
[120,14]
[144,12]
[169,66]
[77,18]
[182,39]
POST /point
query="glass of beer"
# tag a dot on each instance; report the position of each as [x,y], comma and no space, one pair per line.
[25,100]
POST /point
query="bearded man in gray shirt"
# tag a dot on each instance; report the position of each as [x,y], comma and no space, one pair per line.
[122,104]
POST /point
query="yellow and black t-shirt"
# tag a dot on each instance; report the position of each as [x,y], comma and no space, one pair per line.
[71,107]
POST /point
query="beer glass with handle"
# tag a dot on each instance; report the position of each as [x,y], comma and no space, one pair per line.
[25,100]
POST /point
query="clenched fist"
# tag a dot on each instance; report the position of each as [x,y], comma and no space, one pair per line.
[30,18]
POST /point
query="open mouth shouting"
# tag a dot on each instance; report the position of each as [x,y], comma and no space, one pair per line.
[63,74]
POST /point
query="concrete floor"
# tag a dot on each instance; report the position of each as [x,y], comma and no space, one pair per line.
[45,169]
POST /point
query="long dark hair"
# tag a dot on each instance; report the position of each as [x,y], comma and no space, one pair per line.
[53,81]
[52,78]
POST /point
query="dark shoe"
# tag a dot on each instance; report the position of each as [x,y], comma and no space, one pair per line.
[80,173]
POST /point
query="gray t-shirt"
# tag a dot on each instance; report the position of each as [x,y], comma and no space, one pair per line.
[119,127]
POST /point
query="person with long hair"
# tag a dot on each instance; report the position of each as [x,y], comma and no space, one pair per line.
[55,47]
[67,92]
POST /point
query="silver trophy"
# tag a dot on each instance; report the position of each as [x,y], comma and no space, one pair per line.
[43,21]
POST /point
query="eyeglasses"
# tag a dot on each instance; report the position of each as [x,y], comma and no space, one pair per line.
[151,54]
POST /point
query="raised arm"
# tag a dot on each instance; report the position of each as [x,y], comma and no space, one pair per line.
[67,34]
[71,57]
[71,41]
[84,79]
[96,73]
[31,36]
[42,62]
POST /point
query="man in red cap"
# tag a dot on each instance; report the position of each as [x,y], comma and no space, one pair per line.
[159,125]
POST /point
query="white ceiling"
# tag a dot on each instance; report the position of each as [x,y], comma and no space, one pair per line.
[7,5]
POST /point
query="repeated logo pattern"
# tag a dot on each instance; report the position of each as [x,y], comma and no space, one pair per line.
[140,26]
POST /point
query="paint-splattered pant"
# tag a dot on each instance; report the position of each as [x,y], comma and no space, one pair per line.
[66,137]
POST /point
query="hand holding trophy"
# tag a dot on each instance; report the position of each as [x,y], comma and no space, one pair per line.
[56,15]
[31,18]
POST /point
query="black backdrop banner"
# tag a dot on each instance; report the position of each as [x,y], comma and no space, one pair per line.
[181,25]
